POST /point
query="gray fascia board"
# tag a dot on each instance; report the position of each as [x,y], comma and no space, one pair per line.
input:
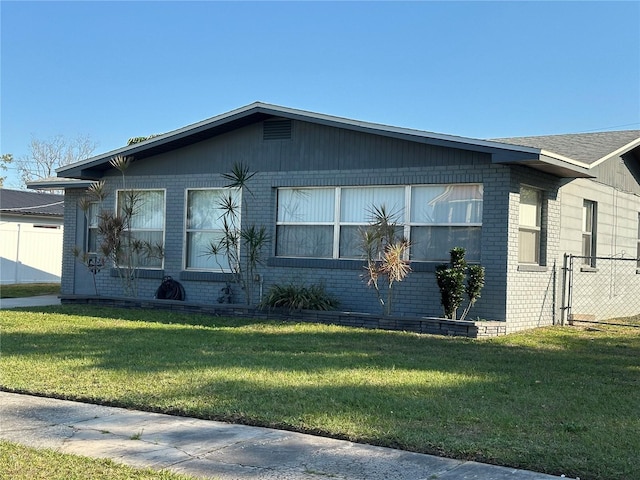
[58,183]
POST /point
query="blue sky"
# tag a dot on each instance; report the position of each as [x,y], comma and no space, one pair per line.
[114,70]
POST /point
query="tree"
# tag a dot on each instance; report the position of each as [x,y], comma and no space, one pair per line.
[134,140]
[47,155]
[5,160]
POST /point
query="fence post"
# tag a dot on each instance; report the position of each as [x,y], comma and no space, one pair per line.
[554,306]
[566,289]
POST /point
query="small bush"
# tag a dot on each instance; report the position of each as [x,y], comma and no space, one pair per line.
[299,297]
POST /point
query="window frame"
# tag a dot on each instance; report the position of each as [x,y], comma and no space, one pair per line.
[164,220]
[526,228]
[589,219]
[187,230]
[405,222]
[92,215]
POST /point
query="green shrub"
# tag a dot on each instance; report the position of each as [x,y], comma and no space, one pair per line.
[451,282]
[299,297]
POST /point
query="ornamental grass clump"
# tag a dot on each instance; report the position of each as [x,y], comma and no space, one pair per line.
[299,297]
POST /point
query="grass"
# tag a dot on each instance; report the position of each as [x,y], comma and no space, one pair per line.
[559,400]
[18,290]
[18,462]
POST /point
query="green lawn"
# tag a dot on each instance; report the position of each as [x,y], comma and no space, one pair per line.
[18,290]
[561,400]
[22,463]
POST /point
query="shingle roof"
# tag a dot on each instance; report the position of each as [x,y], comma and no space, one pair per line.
[584,147]
[21,202]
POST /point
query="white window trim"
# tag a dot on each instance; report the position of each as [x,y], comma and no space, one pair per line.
[406,222]
[164,217]
[529,228]
[590,260]
[186,230]
[89,226]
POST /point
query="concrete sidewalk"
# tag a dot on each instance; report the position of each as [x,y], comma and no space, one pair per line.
[209,449]
[39,301]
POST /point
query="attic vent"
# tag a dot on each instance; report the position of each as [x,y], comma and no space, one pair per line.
[276,130]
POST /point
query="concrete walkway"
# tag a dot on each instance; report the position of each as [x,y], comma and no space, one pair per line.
[39,301]
[209,449]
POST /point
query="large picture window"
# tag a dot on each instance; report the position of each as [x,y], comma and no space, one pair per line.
[205,226]
[146,223]
[326,222]
[530,225]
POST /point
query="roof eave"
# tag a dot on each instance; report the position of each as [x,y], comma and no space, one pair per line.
[58,183]
[90,168]
[547,162]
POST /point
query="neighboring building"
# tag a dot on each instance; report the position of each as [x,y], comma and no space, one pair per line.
[31,233]
[516,205]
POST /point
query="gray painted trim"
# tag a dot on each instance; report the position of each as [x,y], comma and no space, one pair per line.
[206,276]
[141,273]
[341,264]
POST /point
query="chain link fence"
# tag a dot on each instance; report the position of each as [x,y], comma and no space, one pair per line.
[601,290]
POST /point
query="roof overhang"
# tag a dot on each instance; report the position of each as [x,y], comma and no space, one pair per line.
[58,183]
[93,168]
[548,162]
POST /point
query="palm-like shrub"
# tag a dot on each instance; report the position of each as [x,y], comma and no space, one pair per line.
[385,254]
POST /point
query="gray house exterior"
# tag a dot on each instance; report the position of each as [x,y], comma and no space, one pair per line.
[517,205]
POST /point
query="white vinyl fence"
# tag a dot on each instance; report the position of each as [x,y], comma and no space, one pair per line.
[30,252]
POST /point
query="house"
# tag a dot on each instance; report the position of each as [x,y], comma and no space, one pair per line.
[518,207]
[31,232]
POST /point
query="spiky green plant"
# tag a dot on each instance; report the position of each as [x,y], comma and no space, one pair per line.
[299,297]
[116,242]
[242,246]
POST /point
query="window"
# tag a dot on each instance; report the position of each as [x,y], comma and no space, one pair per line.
[530,222]
[443,217]
[356,212]
[589,232]
[205,226]
[326,222]
[92,227]
[305,224]
[146,225]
